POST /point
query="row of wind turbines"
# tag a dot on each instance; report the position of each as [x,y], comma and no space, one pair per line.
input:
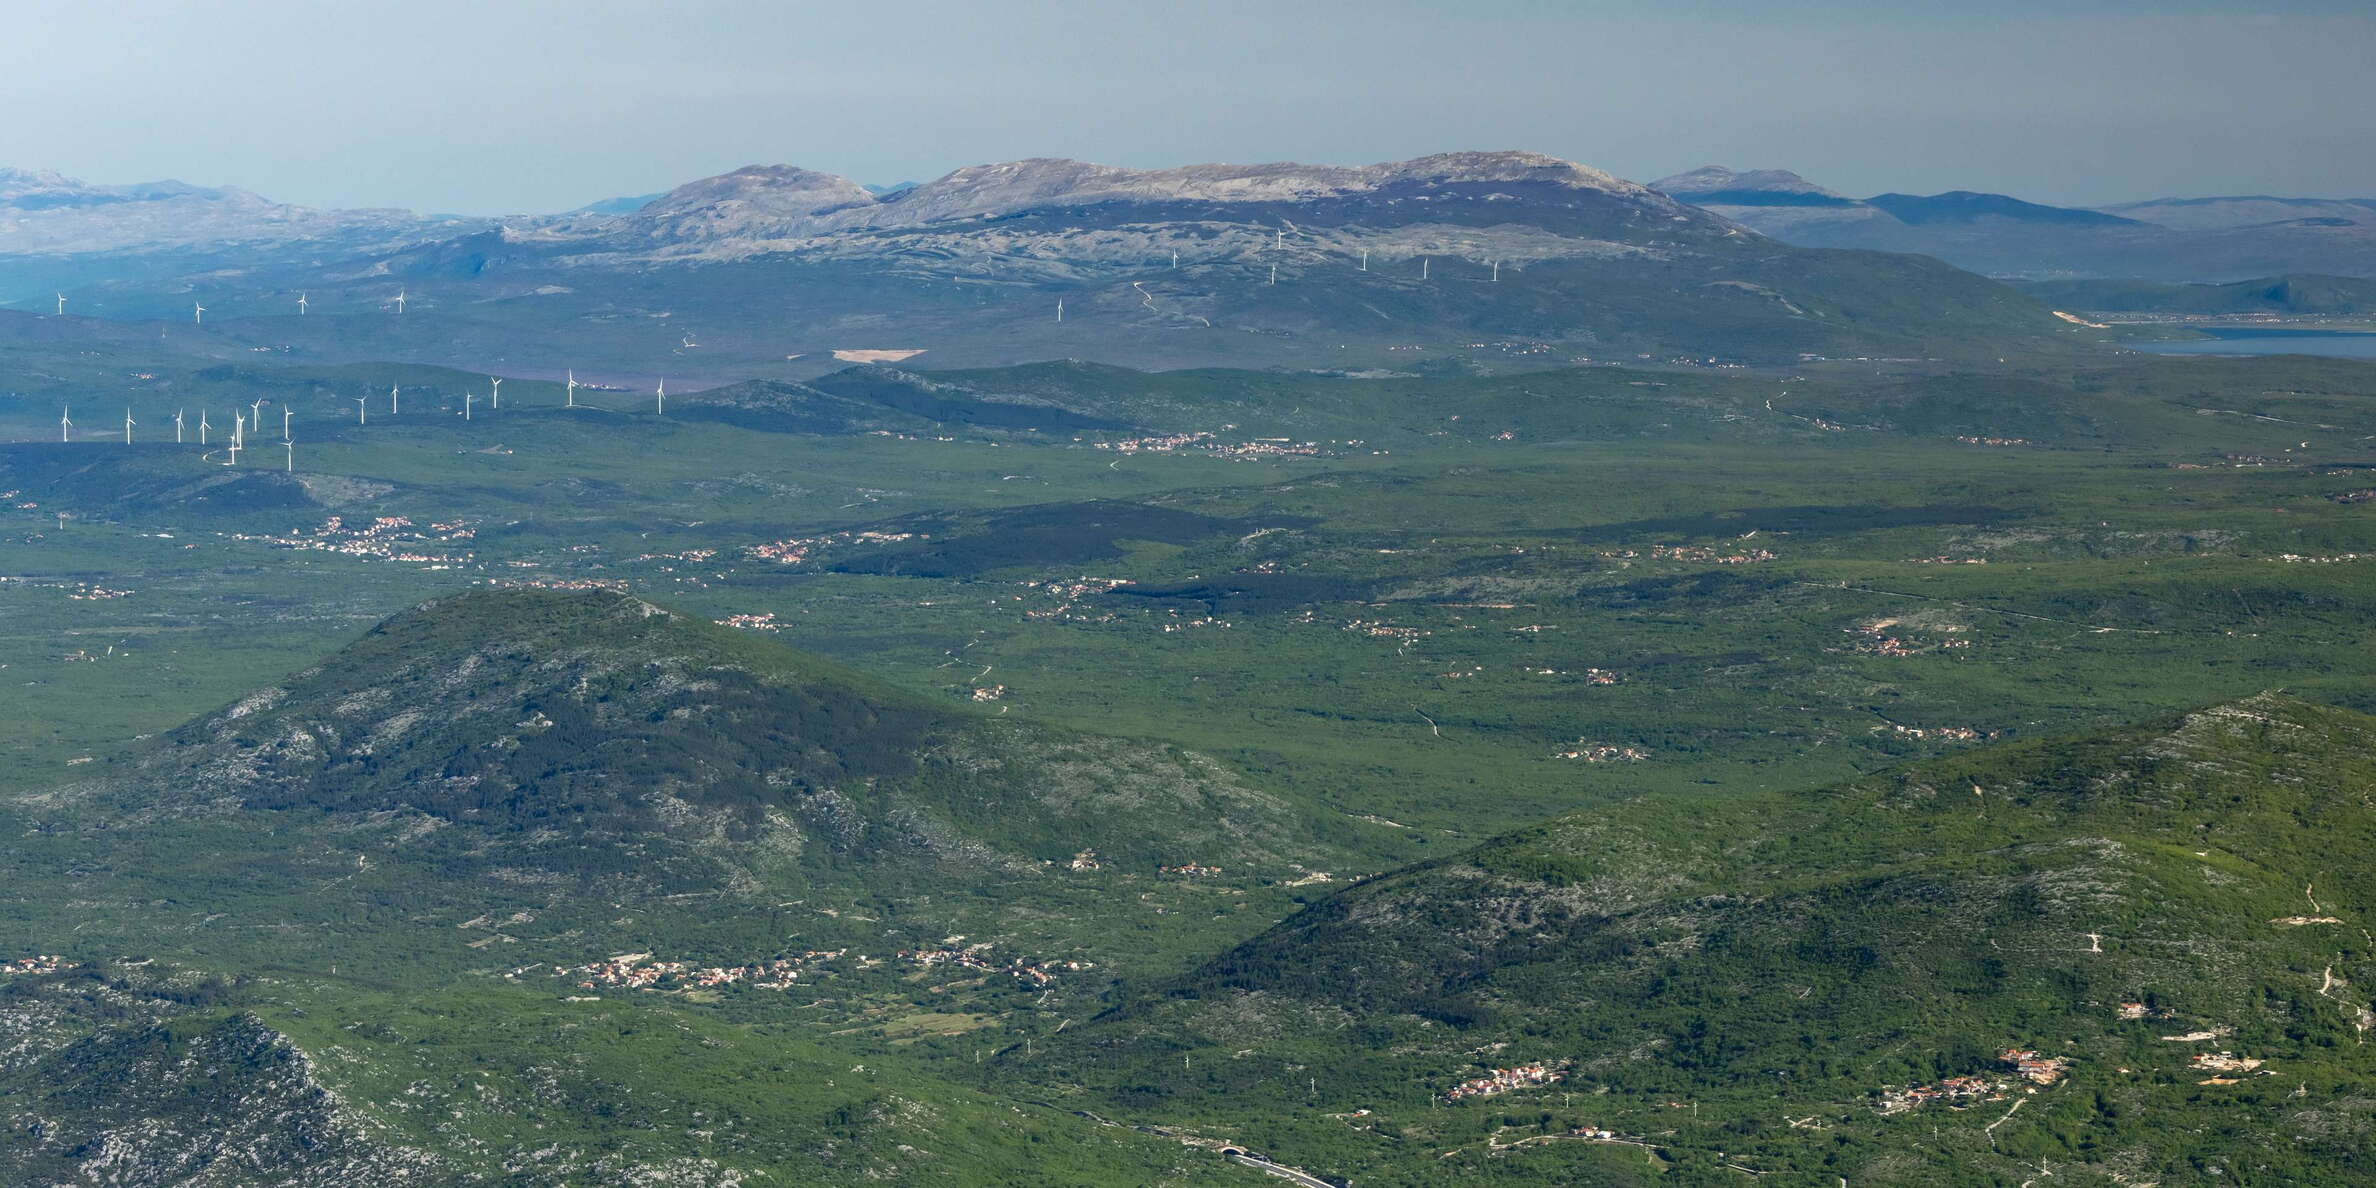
[243,423]
[198,308]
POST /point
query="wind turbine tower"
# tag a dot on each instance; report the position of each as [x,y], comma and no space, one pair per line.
[1060,309]
[495,397]
[569,394]
[128,423]
[301,305]
[197,314]
[660,398]
[256,413]
[467,397]
[285,414]
[291,464]
[1365,259]
[400,301]
[360,401]
[202,426]
[391,400]
[61,305]
[1497,272]
[1423,263]
[177,426]
[65,424]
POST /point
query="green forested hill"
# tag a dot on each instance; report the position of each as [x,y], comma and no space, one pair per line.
[565,753]
[1790,956]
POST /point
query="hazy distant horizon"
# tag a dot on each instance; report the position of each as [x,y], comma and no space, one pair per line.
[2085,103]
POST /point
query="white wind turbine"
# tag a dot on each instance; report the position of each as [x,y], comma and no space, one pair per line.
[256,413]
[238,428]
[660,398]
[177,426]
[197,313]
[1060,309]
[285,415]
[1423,262]
[65,424]
[128,423]
[202,426]
[467,397]
[495,396]
[1497,272]
[61,305]
[291,463]
[301,305]
[391,400]
[233,460]
[1365,259]
[359,402]
[570,393]
[399,301]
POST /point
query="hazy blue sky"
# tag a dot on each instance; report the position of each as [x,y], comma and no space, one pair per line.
[492,106]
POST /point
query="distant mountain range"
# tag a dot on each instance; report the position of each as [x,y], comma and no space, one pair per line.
[2169,239]
[770,209]
[48,213]
[1277,264]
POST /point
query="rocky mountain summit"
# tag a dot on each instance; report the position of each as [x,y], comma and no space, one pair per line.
[1237,209]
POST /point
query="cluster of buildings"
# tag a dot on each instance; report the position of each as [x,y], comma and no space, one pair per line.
[1993,441]
[46,963]
[2027,1065]
[2036,1069]
[1379,630]
[794,550]
[1191,624]
[1706,554]
[2225,1061]
[989,692]
[87,592]
[384,538]
[1190,870]
[1504,1080]
[760,622]
[637,971]
[1946,733]
[1023,969]
[689,555]
[1953,1089]
[1602,753]
[1260,447]
[554,583]
[1878,642]
[1070,593]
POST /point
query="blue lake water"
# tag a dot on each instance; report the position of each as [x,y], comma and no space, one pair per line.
[2345,344]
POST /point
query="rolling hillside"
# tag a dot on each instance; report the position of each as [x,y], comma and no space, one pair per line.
[1810,956]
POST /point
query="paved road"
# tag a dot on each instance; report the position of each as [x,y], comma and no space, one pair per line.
[1293,1175]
